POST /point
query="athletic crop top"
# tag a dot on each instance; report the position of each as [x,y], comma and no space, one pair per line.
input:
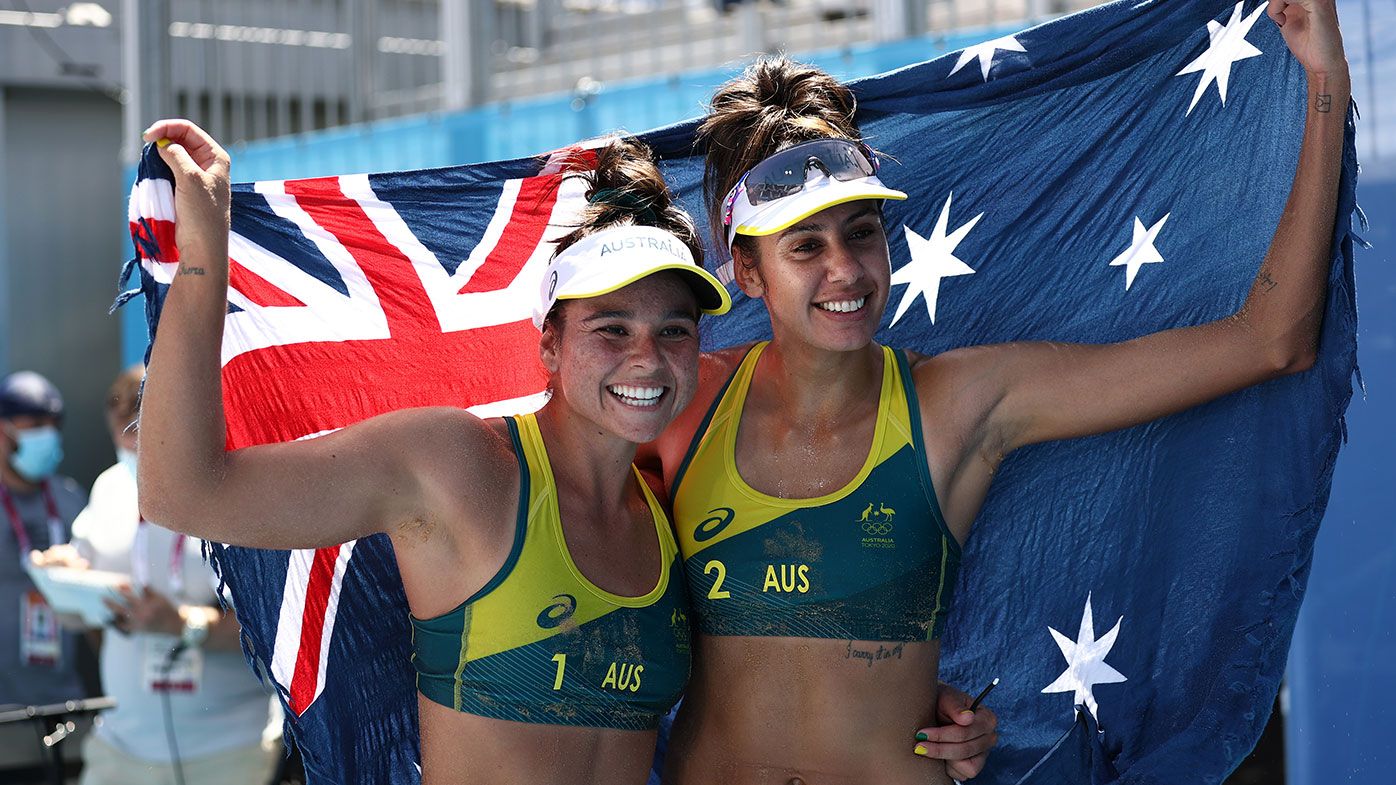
[540,643]
[873,560]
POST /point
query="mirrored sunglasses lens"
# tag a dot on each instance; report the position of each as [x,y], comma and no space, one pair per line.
[769,191]
[785,173]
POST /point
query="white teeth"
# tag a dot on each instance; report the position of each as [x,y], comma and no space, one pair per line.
[636,396]
[843,306]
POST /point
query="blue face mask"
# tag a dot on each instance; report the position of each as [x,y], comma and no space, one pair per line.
[38,453]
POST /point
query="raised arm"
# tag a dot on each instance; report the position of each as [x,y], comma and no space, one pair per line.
[1035,392]
[360,480]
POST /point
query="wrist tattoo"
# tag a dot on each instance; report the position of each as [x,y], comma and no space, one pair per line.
[1267,282]
[1323,102]
[185,269]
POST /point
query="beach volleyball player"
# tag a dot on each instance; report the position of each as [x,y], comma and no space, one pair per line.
[789,441]
[540,569]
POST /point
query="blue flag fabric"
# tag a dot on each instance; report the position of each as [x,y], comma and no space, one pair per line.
[1078,757]
[1096,178]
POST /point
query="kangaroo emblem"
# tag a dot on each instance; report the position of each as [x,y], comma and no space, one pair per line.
[876,520]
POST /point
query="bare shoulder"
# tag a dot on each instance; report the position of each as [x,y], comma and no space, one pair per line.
[469,478]
[957,390]
[450,440]
[951,373]
[466,470]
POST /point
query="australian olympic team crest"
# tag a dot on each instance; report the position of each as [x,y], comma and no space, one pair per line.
[876,523]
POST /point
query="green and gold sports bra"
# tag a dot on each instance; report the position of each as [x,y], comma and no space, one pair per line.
[542,644]
[871,561]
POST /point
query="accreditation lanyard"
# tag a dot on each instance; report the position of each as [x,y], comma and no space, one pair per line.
[140,558]
[55,523]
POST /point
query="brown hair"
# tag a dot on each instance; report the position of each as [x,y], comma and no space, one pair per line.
[123,397]
[625,188]
[775,103]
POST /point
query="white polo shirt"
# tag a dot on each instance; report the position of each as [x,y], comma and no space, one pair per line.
[231,708]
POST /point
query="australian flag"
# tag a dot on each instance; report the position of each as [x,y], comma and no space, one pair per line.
[1102,176]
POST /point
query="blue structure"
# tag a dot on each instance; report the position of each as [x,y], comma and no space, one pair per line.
[1342,670]
[1342,664]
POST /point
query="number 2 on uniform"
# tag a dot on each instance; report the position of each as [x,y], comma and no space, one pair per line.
[717,592]
[561,660]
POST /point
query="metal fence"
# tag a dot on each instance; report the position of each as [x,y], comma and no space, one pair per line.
[263,68]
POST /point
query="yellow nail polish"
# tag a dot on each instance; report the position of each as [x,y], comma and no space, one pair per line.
[920,749]
[162,143]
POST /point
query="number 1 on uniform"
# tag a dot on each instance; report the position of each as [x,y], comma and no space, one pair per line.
[561,660]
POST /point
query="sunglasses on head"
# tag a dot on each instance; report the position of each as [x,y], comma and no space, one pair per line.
[785,173]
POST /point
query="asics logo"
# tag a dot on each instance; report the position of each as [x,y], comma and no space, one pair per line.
[558,612]
[713,525]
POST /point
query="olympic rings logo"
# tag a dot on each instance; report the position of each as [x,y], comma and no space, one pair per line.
[877,528]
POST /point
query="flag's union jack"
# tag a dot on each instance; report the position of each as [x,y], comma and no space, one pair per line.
[341,288]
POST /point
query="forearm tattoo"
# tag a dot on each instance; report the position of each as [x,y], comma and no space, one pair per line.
[1323,102]
[185,269]
[1266,281]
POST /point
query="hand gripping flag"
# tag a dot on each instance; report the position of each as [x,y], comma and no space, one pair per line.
[1102,176]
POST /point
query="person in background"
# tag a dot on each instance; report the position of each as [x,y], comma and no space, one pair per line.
[37,657]
[169,642]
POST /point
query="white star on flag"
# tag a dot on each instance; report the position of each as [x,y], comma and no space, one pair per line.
[931,260]
[985,53]
[1141,249]
[1228,44]
[1085,662]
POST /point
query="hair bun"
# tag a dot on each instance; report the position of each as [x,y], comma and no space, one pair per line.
[626,187]
[776,102]
[637,204]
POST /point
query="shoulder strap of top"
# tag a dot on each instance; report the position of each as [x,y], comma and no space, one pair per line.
[918,438]
[712,412]
[520,518]
[668,546]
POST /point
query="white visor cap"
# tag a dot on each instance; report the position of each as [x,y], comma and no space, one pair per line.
[614,258]
[820,193]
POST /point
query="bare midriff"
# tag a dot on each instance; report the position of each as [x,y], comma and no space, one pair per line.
[467,749]
[798,711]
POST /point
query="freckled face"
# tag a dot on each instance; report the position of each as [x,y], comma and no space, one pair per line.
[628,360]
[825,280]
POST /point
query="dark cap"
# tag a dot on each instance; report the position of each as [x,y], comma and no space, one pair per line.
[27,393]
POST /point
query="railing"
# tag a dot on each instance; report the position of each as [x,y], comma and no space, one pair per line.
[261,68]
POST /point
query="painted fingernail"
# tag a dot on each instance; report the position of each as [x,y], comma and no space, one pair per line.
[920,749]
[920,736]
[162,142]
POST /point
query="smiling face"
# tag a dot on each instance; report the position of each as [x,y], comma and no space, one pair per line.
[626,361]
[825,279]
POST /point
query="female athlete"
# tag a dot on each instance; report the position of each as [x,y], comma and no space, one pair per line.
[819,645]
[549,628]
